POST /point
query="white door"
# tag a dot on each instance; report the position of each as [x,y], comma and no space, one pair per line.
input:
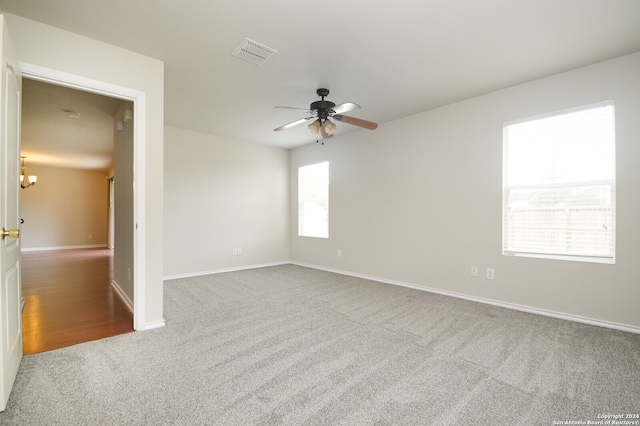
[10,283]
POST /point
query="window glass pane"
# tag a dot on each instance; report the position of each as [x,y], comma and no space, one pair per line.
[313,200]
[570,147]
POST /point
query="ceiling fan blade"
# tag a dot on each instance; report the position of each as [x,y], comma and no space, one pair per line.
[295,123]
[356,121]
[345,107]
[297,109]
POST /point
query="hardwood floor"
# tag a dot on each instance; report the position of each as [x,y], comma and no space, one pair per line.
[69,299]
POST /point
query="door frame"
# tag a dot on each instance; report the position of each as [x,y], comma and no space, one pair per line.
[59,78]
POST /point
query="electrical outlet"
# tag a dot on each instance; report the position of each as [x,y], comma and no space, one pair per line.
[235,251]
[491,274]
[339,253]
[239,251]
[474,271]
[91,236]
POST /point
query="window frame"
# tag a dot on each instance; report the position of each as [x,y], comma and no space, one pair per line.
[584,183]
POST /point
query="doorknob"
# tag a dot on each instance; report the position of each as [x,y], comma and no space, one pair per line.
[12,233]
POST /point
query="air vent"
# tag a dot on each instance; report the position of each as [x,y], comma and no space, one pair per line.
[253,52]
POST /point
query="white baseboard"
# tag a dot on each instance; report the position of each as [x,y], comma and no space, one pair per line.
[513,306]
[152,325]
[87,246]
[127,301]
[220,271]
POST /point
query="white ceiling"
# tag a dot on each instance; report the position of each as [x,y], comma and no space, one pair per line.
[395,59]
[64,127]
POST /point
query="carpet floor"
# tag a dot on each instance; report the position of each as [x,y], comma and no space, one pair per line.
[289,345]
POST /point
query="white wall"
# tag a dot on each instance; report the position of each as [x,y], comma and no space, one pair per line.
[418,201]
[54,49]
[222,194]
[123,259]
[63,208]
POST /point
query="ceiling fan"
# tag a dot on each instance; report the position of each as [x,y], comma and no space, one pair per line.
[321,111]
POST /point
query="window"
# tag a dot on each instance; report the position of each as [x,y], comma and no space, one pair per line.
[313,200]
[559,185]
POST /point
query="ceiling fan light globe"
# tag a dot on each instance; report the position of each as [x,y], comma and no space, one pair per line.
[314,127]
[329,127]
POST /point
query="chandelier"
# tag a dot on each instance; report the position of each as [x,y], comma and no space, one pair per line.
[26,181]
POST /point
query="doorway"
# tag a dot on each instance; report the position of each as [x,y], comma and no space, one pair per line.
[69,136]
[139,271]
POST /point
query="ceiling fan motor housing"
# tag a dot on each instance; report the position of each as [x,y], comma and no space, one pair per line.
[322,106]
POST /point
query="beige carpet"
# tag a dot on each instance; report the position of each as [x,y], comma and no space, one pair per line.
[288,345]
